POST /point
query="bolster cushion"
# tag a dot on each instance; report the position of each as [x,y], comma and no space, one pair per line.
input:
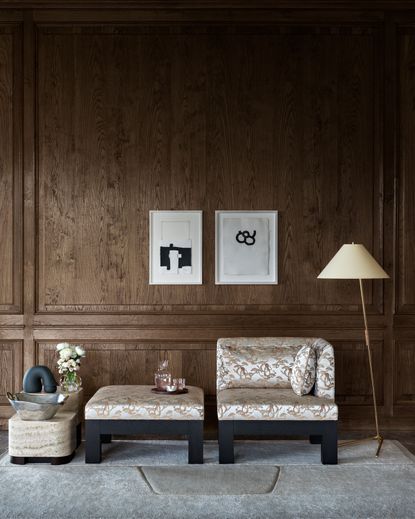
[303,374]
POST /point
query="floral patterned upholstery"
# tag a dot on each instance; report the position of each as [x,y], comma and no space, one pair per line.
[140,403]
[273,404]
[253,380]
[303,373]
[259,362]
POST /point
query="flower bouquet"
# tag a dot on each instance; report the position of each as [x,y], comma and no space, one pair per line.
[69,362]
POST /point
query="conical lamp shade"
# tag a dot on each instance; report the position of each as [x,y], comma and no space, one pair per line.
[353,261]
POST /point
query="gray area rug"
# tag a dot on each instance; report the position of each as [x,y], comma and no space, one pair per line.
[211,480]
[282,452]
[360,487]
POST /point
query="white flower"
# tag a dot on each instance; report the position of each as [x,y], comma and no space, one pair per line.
[80,351]
[62,345]
[66,353]
[69,357]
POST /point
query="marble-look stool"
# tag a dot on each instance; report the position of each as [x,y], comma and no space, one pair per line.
[47,441]
[53,441]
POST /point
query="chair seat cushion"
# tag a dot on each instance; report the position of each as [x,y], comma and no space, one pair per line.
[140,403]
[273,404]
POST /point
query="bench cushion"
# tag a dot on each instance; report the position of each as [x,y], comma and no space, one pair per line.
[273,404]
[140,403]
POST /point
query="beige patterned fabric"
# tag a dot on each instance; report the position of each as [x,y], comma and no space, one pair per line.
[258,362]
[324,386]
[273,404]
[254,367]
[303,374]
[140,403]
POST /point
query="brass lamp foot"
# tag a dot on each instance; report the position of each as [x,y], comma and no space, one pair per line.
[378,438]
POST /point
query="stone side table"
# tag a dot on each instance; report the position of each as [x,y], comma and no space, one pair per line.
[47,441]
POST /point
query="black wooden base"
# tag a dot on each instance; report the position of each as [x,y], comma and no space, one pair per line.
[101,431]
[322,432]
[78,435]
[18,460]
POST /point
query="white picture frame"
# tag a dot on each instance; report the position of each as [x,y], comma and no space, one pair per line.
[236,263]
[175,248]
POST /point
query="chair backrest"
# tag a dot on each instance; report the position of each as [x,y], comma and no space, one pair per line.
[266,362]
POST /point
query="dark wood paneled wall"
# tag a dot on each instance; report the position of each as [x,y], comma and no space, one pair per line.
[105,115]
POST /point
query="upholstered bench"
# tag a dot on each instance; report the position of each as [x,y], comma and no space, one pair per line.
[137,410]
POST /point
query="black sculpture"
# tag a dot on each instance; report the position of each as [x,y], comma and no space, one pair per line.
[37,377]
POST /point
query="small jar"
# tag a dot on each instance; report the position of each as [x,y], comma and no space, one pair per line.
[162,376]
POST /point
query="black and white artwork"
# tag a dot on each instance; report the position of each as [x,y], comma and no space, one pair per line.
[175,247]
[176,257]
[246,245]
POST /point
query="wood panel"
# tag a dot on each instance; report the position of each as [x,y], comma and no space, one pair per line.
[11,366]
[135,363]
[406,230]
[353,385]
[10,169]
[404,372]
[131,120]
[297,110]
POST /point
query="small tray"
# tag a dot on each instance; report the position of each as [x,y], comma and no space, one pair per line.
[164,392]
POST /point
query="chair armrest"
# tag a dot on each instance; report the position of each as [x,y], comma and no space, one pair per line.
[325,377]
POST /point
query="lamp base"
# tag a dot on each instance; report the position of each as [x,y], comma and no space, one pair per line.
[378,438]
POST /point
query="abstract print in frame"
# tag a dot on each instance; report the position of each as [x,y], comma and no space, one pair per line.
[246,247]
[175,248]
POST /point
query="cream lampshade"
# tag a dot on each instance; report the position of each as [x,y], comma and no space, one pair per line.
[353,261]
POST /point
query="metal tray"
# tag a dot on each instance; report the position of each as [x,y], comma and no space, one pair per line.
[164,392]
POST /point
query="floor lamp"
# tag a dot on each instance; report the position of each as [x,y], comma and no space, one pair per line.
[353,261]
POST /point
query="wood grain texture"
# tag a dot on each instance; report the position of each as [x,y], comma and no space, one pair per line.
[207,108]
[404,372]
[11,364]
[221,5]
[131,122]
[10,171]
[135,363]
[406,230]
[352,372]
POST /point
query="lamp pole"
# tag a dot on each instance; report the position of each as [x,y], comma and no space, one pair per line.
[378,437]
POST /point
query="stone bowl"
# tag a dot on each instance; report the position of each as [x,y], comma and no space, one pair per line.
[36,407]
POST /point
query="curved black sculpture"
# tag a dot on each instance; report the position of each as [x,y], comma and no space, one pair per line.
[37,377]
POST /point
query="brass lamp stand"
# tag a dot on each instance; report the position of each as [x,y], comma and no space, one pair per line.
[353,261]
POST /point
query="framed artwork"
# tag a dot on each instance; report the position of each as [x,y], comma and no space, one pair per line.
[246,247]
[175,248]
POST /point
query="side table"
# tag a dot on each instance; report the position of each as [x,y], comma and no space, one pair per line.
[47,441]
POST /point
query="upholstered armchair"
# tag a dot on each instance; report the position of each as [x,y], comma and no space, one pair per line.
[276,386]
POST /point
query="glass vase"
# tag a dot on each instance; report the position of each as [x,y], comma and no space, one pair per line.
[70,382]
[162,376]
